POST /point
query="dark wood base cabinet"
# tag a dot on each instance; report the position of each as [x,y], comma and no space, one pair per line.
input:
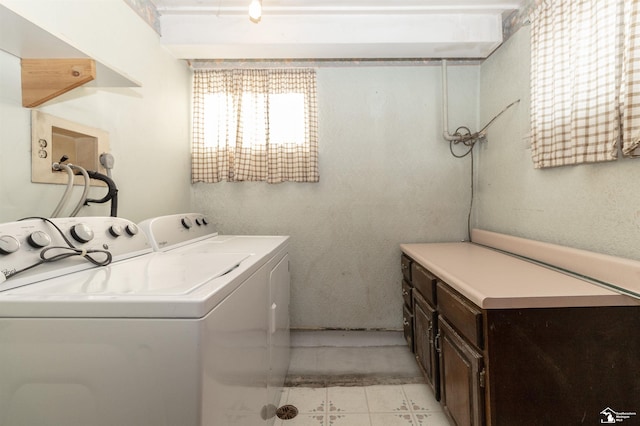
[425,320]
[407,296]
[425,325]
[461,378]
[563,366]
[459,344]
[526,367]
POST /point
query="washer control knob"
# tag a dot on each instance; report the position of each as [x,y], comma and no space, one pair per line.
[39,239]
[8,244]
[116,231]
[131,229]
[82,233]
[204,220]
[198,221]
[186,222]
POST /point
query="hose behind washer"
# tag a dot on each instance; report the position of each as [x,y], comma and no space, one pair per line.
[67,192]
[112,193]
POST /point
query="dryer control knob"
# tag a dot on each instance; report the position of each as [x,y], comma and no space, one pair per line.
[186,222]
[116,231]
[204,220]
[82,233]
[39,239]
[131,229]
[8,244]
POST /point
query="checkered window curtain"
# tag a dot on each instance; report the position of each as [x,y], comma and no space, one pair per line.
[630,87]
[585,81]
[255,125]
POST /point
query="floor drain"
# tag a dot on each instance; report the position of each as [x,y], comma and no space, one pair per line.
[286,412]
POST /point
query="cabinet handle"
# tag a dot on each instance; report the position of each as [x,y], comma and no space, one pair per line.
[404,292]
[403,266]
[273,326]
[429,334]
[437,343]
[405,322]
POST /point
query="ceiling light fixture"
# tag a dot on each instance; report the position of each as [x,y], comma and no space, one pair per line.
[255,10]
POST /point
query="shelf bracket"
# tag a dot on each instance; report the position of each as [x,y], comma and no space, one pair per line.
[44,79]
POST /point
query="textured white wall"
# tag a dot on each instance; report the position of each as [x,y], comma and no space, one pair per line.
[148,126]
[387,177]
[593,206]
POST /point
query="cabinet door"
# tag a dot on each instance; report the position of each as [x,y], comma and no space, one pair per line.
[424,335]
[461,377]
[407,324]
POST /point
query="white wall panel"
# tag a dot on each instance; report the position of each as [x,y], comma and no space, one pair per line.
[386,177]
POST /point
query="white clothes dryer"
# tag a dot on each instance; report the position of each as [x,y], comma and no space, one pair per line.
[192,234]
[135,342]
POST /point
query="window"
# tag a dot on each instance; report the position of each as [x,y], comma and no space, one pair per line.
[585,81]
[255,125]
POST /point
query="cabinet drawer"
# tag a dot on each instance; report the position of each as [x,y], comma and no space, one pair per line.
[424,282]
[407,294]
[462,314]
[405,265]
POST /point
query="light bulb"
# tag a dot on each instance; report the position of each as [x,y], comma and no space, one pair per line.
[255,10]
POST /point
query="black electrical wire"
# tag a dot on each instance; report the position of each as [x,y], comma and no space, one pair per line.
[470,140]
[67,252]
[498,115]
[466,139]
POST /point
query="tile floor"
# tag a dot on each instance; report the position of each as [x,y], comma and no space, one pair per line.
[354,378]
[377,405]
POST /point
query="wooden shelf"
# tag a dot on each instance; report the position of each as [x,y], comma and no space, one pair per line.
[50,64]
[44,79]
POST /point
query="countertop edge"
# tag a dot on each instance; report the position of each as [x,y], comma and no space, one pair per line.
[592,296]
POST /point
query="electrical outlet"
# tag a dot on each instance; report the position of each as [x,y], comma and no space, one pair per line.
[53,137]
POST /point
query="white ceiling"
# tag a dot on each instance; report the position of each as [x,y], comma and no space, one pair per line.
[334,29]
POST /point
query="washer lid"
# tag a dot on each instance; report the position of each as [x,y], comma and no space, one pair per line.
[170,274]
[157,285]
[185,283]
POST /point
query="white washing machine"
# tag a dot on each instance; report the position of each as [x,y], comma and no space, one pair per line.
[153,338]
[191,234]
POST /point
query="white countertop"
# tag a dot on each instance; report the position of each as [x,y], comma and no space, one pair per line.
[495,280]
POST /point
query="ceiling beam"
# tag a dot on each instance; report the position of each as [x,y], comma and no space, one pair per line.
[323,36]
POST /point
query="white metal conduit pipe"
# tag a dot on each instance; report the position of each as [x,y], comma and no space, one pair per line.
[445,113]
[445,106]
